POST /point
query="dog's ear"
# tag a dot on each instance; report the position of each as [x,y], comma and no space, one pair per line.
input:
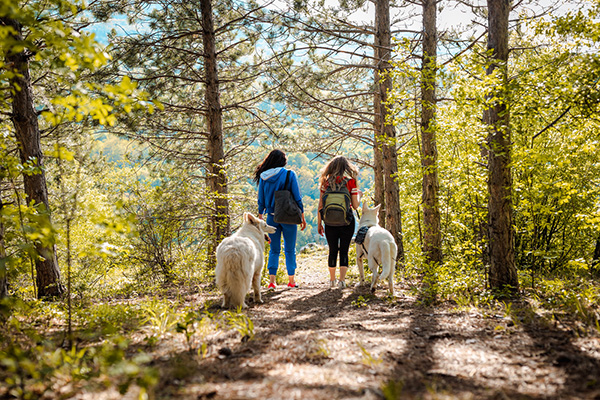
[364,205]
[377,208]
[251,218]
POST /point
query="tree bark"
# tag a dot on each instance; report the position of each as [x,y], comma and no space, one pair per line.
[377,132]
[503,272]
[27,133]
[217,177]
[3,270]
[393,217]
[432,238]
[596,258]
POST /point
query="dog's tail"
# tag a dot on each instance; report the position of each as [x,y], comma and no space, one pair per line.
[232,278]
[388,259]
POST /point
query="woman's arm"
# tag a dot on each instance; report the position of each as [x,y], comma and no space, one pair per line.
[355,194]
[355,201]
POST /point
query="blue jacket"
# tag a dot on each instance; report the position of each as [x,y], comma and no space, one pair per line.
[272,180]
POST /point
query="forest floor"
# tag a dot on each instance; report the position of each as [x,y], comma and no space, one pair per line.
[314,342]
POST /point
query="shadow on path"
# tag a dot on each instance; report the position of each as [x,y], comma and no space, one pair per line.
[416,336]
[579,371]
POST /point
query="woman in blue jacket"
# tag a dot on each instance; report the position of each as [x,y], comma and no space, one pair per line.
[270,177]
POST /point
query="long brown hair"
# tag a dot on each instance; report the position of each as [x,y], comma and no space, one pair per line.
[337,166]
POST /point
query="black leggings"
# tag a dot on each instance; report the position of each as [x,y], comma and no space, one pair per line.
[338,239]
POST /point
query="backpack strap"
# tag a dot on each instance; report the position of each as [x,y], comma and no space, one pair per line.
[287,177]
[337,186]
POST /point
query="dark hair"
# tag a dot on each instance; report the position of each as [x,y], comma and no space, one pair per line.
[276,158]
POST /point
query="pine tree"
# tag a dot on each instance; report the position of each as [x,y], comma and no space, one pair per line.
[503,272]
[206,63]
[27,133]
[342,108]
[432,237]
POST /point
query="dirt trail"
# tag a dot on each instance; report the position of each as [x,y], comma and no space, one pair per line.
[316,343]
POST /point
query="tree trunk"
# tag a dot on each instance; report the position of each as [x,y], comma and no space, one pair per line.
[3,270]
[379,181]
[503,272]
[393,220]
[27,133]
[377,132]
[596,258]
[217,177]
[432,238]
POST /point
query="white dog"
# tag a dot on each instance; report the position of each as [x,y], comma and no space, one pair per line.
[378,247]
[240,259]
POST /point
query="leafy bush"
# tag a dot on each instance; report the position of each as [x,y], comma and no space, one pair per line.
[31,371]
[108,319]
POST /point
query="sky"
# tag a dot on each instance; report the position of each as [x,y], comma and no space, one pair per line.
[453,15]
[456,15]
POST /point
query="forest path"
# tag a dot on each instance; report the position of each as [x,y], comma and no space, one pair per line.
[319,343]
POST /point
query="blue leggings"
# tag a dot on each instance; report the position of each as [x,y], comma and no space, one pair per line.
[289,246]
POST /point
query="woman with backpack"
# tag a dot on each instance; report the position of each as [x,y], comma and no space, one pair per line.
[271,176]
[339,194]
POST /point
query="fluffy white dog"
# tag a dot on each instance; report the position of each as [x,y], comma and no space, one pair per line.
[378,247]
[240,259]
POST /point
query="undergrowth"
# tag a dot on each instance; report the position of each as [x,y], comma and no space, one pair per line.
[571,299]
[36,358]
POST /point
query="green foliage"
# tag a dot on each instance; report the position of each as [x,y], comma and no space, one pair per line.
[161,316]
[78,105]
[29,372]
[34,364]
[392,390]
[138,226]
[509,313]
[577,298]
[367,358]
[108,319]
[240,322]
[25,225]
[360,302]
[318,350]
[128,237]
[53,38]
[61,58]
[196,325]
[554,162]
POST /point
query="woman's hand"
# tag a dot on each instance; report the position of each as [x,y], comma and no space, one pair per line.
[303,223]
[321,229]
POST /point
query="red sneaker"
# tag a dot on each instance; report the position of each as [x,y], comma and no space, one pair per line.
[271,286]
[292,285]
